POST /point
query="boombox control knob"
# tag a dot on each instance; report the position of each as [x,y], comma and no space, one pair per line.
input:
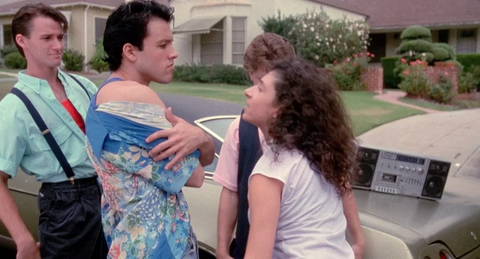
[401,167]
[367,155]
[438,167]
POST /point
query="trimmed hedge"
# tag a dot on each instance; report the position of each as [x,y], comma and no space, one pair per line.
[418,45]
[14,60]
[469,61]
[389,78]
[218,73]
[7,50]
[416,32]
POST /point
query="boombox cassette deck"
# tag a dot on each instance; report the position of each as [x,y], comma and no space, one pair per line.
[399,173]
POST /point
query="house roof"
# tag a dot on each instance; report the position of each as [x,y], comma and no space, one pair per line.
[394,14]
[11,8]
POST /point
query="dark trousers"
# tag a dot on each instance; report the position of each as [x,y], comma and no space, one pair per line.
[70,224]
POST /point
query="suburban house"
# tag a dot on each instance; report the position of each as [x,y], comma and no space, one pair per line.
[218,31]
[454,22]
[86,18]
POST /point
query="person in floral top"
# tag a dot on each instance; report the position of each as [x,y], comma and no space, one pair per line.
[144,211]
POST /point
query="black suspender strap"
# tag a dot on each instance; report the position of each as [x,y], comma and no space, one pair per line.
[80,84]
[46,133]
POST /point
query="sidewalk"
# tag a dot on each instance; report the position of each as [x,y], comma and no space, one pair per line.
[393,96]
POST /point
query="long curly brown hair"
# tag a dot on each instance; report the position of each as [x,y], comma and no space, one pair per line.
[312,118]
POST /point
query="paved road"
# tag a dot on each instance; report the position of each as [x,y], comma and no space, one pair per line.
[192,108]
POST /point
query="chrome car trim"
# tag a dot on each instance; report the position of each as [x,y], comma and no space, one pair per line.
[199,123]
[22,191]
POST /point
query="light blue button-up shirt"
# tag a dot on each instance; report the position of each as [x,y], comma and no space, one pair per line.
[21,142]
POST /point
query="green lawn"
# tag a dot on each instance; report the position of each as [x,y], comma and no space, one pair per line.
[365,111]
[455,105]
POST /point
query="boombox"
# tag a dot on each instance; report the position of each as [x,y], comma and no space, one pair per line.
[398,173]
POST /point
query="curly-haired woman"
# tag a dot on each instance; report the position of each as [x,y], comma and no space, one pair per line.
[295,190]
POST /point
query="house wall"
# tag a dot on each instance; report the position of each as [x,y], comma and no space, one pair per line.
[393,42]
[188,47]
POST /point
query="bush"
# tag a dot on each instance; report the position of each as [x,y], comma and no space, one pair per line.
[318,38]
[348,73]
[443,91]
[469,61]
[73,60]
[467,82]
[448,48]
[414,81]
[14,60]
[219,73]
[416,32]
[280,25]
[7,50]
[417,46]
[390,79]
[440,54]
[98,60]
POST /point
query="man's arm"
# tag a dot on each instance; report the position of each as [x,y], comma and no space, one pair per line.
[227,219]
[353,223]
[183,139]
[9,215]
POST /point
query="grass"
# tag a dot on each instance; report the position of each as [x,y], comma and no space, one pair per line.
[365,111]
[457,104]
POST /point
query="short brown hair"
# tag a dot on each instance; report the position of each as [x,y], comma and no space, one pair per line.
[265,50]
[21,22]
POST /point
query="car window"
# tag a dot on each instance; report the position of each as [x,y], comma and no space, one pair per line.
[216,126]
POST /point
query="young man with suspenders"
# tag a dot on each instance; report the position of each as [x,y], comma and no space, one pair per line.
[43,132]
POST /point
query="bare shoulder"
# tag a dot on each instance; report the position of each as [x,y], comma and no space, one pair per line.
[128,91]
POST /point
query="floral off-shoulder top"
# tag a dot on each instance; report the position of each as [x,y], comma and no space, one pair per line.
[144,212]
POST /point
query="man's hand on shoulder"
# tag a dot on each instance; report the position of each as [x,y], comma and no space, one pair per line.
[183,139]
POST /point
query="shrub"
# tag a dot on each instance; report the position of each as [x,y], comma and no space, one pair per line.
[348,73]
[73,60]
[390,79]
[416,46]
[440,54]
[318,38]
[467,82]
[14,60]
[98,60]
[450,51]
[7,50]
[219,73]
[414,81]
[280,25]
[416,32]
[469,61]
[443,91]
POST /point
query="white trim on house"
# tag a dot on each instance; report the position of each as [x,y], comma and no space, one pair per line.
[84,3]
[85,40]
[2,43]
[95,27]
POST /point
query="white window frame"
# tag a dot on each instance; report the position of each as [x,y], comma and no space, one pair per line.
[244,37]
[95,27]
